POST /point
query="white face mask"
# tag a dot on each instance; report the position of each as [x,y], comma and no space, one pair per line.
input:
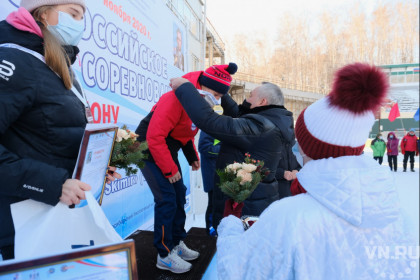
[210,98]
[68,30]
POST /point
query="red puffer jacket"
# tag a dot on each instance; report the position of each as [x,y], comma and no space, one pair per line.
[409,144]
[169,117]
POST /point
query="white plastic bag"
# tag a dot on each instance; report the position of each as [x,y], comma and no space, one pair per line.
[42,229]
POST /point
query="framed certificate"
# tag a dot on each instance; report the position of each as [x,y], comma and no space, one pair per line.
[94,157]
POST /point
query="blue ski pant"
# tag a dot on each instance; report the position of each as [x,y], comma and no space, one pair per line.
[169,228]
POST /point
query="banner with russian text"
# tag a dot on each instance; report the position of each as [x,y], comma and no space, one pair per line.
[129,51]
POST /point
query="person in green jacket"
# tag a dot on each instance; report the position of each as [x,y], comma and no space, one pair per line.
[378,146]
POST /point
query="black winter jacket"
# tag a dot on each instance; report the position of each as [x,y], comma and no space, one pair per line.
[261,134]
[41,127]
[288,162]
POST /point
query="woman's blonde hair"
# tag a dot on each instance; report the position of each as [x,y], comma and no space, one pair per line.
[55,56]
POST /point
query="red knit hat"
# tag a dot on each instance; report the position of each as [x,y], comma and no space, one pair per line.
[217,77]
[339,124]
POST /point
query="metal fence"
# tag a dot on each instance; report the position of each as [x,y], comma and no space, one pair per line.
[217,39]
[280,83]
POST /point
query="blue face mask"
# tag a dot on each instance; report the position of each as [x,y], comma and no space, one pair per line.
[68,30]
[297,154]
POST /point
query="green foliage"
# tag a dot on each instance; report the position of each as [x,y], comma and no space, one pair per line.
[232,187]
[230,181]
[129,152]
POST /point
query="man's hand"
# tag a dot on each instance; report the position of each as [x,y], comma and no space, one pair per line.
[288,175]
[73,191]
[177,82]
[175,178]
[195,165]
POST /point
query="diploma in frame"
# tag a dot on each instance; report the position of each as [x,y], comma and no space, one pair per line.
[94,157]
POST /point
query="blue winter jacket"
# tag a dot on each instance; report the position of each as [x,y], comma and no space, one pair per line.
[209,150]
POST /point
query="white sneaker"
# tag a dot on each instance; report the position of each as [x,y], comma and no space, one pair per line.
[173,263]
[186,253]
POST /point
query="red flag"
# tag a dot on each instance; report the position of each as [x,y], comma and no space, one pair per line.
[395,113]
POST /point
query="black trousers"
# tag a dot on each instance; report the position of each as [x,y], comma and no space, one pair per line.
[8,252]
[406,156]
[209,211]
[379,159]
[392,162]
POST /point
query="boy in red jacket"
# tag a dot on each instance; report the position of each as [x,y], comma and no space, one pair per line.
[167,129]
[409,148]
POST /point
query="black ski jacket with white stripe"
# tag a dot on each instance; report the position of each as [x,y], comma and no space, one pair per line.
[41,127]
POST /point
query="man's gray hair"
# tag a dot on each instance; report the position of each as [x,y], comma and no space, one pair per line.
[272,93]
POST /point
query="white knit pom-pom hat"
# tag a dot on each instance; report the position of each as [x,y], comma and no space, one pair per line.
[339,124]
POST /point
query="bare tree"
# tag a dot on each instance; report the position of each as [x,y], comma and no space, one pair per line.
[305,57]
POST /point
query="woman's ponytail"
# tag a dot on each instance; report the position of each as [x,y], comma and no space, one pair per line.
[55,56]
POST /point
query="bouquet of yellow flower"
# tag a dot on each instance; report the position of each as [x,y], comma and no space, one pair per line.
[239,180]
[128,151]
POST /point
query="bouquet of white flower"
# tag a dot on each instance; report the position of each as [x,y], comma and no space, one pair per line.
[239,180]
[127,151]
